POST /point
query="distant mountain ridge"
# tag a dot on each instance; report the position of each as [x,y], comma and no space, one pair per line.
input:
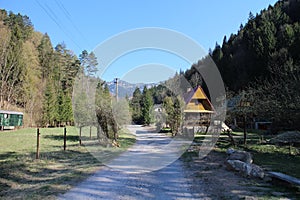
[125,88]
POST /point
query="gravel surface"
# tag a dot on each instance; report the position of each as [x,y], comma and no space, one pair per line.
[168,183]
[148,170]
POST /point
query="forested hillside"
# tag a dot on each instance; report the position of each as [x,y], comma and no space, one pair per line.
[267,45]
[261,64]
[35,77]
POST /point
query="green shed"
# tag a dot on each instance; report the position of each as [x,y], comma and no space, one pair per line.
[10,118]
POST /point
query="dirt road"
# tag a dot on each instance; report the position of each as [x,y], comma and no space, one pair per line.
[146,171]
[151,170]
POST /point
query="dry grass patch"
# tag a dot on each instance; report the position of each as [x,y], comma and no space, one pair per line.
[24,177]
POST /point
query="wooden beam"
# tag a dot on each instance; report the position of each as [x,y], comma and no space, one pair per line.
[284,177]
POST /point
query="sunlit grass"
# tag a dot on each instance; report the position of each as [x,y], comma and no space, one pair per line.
[105,150]
[24,177]
[269,156]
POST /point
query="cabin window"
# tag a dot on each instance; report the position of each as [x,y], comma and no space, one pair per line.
[5,116]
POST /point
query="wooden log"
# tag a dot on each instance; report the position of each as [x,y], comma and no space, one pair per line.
[285,178]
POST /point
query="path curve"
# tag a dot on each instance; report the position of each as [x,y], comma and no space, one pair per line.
[138,181]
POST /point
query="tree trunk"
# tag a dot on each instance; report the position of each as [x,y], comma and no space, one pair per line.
[231,138]
[206,129]
[245,131]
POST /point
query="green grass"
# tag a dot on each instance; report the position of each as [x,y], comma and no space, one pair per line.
[24,177]
[126,140]
[269,156]
[165,130]
[105,152]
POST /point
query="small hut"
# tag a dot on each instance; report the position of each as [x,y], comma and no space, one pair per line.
[10,119]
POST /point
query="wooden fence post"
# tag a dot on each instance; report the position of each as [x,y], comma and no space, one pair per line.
[38,144]
[90,132]
[65,138]
[80,136]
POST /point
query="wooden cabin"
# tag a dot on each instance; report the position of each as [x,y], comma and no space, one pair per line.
[198,108]
[10,119]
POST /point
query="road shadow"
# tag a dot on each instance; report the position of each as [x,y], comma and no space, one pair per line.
[167,183]
[72,138]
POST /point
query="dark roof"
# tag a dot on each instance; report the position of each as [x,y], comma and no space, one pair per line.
[188,96]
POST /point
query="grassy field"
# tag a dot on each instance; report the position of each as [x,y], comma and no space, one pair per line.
[269,156]
[24,177]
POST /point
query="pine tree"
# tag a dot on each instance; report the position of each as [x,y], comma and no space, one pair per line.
[135,105]
[89,62]
[178,112]
[91,68]
[147,104]
[46,56]
[168,105]
[174,112]
[68,111]
[49,106]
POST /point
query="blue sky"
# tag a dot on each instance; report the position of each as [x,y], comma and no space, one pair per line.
[85,24]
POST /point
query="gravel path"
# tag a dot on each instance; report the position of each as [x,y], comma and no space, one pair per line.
[140,173]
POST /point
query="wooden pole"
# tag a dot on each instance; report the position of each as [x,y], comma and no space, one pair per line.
[117,88]
[38,144]
[65,138]
[80,136]
[90,132]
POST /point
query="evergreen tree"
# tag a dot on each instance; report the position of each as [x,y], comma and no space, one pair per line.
[83,57]
[68,111]
[33,76]
[174,111]
[46,56]
[17,29]
[49,106]
[168,105]
[263,57]
[91,68]
[178,115]
[147,104]
[135,105]
[60,107]
[89,62]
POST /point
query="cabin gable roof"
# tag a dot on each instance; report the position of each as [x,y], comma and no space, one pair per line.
[197,102]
